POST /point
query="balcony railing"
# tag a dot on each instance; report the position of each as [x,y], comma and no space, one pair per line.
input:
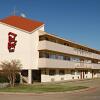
[47,45]
[55,63]
[96,66]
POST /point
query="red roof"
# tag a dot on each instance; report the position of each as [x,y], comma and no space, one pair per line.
[22,23]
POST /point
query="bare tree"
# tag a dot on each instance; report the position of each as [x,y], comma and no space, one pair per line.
[10,70]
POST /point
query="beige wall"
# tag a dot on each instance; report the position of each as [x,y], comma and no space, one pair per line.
[55,63]
[48,45]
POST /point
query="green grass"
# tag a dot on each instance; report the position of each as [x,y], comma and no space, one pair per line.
[41,88]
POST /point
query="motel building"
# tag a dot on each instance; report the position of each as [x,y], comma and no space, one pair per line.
[45,57]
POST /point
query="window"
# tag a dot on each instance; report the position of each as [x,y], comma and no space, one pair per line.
[87,61]
[75,59]
[46,38]
[72,72]
[86,72]
[52,72]
[43,55]
[65,43]
[43,71]
[61,72]
[24,73]
[41,38]
[78,72]
[40,55]
[66,58]
[53,56]
[47,55]
[60,57]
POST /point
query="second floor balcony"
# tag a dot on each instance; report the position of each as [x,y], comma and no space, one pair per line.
[55,63]
[48,45]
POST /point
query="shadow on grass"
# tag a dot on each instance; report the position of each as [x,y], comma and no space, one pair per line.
[42,88]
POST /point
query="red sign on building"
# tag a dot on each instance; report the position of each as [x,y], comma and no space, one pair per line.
[11,41]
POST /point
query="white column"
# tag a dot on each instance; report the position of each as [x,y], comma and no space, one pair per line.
[29,76]
[57,76]
[20,78]
[75,72]
[82,75]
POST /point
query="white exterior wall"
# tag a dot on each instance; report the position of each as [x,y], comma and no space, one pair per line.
[98,74]
[34,48]
[25,49]
[88,75]
[22,47]
[67,76]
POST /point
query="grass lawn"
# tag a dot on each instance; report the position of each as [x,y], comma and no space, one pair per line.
[41,88]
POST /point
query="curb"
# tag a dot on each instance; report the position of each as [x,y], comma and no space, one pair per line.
[37,94]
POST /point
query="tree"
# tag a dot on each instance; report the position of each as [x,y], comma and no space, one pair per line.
[10,70]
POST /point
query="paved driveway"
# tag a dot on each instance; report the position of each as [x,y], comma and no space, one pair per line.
[90,94]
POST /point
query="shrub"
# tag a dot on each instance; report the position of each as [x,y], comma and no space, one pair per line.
[3,79]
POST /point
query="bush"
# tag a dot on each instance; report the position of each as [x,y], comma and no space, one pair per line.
[17,78]
[10,69]
[3,79]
